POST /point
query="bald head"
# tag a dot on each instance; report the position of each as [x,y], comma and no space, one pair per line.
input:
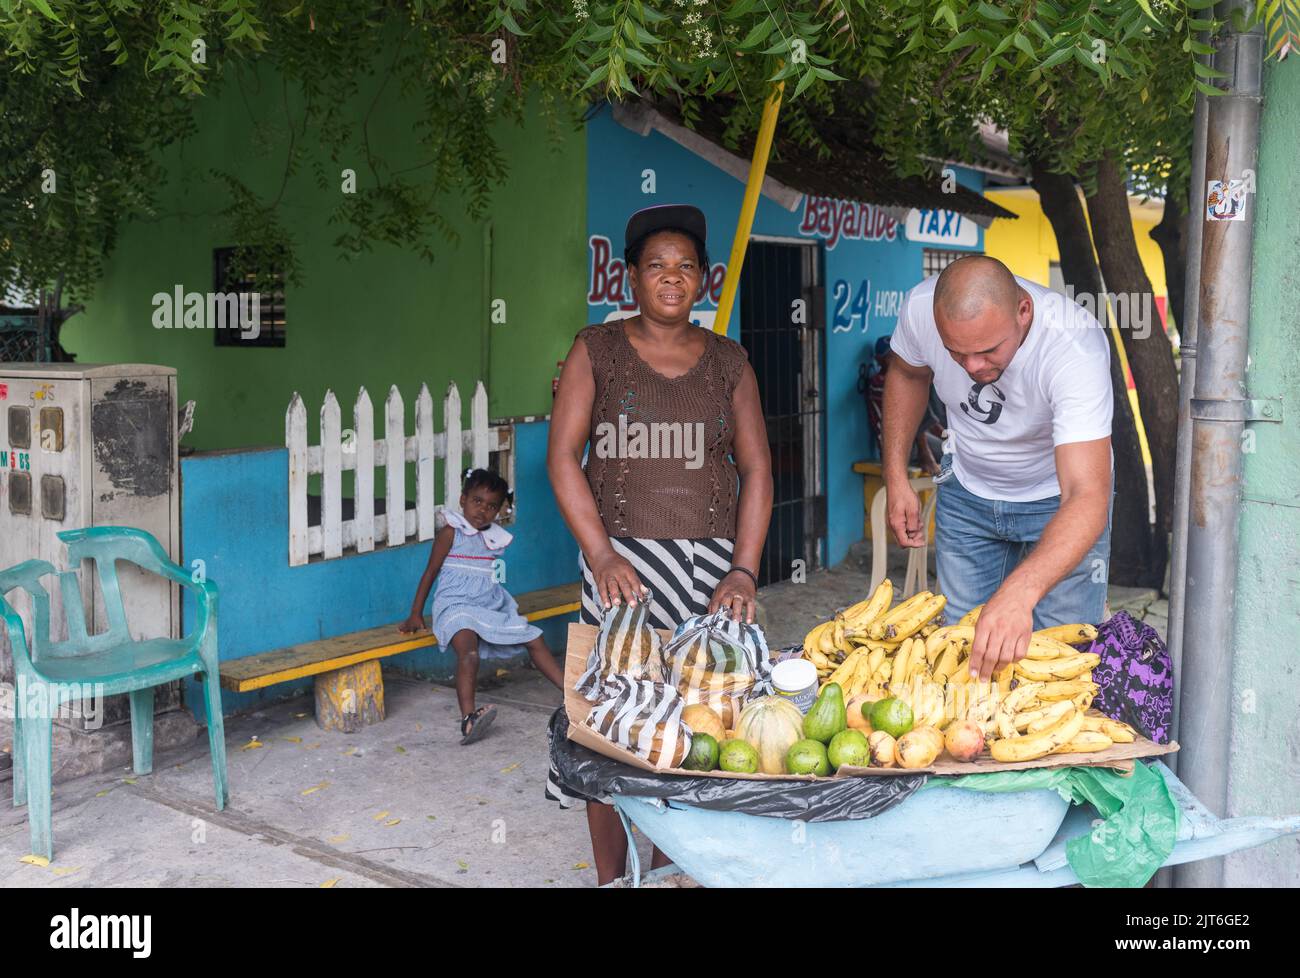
[969,286]
[982,315]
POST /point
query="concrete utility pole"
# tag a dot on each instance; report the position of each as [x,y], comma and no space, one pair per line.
[1219,412]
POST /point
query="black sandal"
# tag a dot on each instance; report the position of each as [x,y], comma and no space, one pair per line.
[474,725]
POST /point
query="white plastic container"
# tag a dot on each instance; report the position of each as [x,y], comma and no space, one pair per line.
[797,680]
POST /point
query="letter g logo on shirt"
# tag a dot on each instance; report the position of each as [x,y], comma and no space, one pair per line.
[977,411]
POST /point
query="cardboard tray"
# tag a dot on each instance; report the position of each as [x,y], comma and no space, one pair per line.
[582,638]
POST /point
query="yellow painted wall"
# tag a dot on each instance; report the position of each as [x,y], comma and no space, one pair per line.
[1027,246]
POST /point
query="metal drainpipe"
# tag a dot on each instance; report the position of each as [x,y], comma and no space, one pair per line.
[1183,455]
[1219,412]
[1186,381]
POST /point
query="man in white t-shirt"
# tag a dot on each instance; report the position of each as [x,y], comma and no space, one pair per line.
[1022,522]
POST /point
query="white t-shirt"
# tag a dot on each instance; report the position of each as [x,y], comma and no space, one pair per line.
[1056,390]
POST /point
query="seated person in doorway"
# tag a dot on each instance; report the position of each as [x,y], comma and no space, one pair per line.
[929,436]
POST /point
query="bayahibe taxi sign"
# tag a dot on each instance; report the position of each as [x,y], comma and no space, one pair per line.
[933,226]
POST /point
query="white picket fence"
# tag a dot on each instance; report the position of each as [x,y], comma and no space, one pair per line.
[361,453]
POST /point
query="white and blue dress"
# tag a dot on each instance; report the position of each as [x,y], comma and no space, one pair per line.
[469,594]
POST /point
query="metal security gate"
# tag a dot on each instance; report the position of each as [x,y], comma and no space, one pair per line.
[782,319]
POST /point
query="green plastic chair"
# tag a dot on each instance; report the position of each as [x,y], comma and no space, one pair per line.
[52,673]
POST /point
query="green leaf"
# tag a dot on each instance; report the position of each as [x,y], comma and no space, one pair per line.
[1055,59]
[596,76]
[45,9]
[989,12]
[987,70]
[961,40]
[637,58]
[804,82]
[1024,44]
[758,33]
[1146,8]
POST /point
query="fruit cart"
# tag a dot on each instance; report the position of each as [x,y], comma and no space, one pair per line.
[937,837]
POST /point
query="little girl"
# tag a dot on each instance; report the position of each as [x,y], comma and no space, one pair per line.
[470,604]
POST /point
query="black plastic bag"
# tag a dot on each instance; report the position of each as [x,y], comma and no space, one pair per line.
[587,773]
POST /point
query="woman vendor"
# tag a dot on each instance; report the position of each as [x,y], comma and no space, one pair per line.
[673,505]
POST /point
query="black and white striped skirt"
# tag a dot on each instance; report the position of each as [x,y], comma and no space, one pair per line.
[682,576]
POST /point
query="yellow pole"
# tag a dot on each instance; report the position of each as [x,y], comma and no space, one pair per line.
[757,168]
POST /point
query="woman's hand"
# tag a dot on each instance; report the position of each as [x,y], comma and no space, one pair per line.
[617,581]
[413,624]
[736,593]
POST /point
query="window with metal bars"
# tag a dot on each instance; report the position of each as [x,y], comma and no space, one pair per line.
[935,260]
[267,283]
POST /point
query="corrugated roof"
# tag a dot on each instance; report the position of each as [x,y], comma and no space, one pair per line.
[855,170]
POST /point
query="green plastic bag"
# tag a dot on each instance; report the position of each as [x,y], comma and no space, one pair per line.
[1139,817]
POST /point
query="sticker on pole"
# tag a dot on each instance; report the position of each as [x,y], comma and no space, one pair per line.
[1225,200]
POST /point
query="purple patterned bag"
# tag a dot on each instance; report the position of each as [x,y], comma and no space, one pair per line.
[1136,676]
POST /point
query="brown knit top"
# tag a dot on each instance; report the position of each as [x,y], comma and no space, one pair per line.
[659,461]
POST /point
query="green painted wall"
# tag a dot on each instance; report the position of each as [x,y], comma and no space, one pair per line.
[386,317]
[1264,777]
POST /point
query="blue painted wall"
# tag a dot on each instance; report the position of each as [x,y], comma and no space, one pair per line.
[235,507]
[866,275]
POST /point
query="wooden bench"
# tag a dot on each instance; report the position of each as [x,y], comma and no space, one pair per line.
[349,685]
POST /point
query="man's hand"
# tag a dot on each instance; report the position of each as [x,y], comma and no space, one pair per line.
[1002,632]
[903,510]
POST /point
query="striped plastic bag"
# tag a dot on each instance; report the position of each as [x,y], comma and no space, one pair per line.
[645,717]
[625,646]
[714,660]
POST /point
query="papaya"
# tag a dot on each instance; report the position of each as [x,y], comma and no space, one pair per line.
[828,716]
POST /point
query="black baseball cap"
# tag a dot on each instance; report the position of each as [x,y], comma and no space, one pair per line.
[649,219]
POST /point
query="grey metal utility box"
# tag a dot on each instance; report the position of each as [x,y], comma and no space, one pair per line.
[89,445]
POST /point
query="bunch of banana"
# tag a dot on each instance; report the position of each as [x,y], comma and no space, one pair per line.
[907,619]
[1029,727]
[828,644]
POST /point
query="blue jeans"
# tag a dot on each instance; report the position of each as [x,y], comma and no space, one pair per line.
[980,541]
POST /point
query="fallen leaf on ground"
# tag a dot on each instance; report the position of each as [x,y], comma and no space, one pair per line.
[316,787]
[581,866]
[65,870]
[502,672]
[300,716]
[381,815]
[128,780]
[101,794]
[292,740]
[349,752]
[35,861]
[419,727]
[462,864]
[336,839]
[512,767]
[311,746]
[432,818]
[253,744]
[329,884]
[392,821]
[401,750]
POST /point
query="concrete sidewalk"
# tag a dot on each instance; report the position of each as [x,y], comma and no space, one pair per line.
[399,804]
